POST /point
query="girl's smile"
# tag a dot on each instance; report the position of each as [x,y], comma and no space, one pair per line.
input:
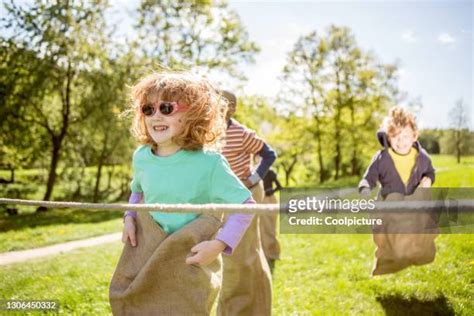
[163,129]
[160,128]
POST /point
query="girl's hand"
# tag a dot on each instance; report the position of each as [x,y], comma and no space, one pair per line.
[129,231]
[206,252]
[425,182]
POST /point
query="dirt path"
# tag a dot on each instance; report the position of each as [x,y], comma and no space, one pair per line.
[25,255]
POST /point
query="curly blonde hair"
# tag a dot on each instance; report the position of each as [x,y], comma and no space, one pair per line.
[397,119]
[203,121]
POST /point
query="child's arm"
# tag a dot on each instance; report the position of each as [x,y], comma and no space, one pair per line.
[253,144]
[234,229]
[268,158]
[226,241]
[371,176]
[129,228]
[428,176]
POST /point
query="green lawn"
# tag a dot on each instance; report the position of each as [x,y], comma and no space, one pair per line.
[31,230]
[330,274]
[451,174]
[78,280]
[318,274]
[451,178]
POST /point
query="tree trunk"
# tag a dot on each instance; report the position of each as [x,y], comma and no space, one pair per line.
[355,170]
[55,153]
[337,127]
[287,175]
[458,146]
[97,181]
[57,139]
[458,153]
[289,169]
[110,176]
[337,140]
[100,164]
[322,170]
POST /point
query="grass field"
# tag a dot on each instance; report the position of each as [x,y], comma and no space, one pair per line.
[30,230]
[451,174]
[317,274]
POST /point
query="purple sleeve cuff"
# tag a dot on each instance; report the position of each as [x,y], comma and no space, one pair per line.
[234,228]
[135,198]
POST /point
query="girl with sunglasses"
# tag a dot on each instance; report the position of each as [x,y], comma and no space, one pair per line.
[171,262]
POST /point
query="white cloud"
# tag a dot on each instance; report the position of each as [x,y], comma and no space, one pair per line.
[445,38]
[263,76]
[409,37]
[402,72]
[297,28]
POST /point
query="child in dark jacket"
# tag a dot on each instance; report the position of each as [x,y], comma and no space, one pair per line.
[403,165]
[404,239]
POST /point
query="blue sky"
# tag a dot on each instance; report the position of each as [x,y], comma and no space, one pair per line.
[431,40]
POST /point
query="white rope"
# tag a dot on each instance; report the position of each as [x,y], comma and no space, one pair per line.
[167,208]
[259,209]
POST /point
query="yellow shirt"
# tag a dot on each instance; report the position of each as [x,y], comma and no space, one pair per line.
[404,163]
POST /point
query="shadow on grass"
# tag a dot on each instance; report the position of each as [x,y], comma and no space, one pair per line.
[54,217]
[395,305]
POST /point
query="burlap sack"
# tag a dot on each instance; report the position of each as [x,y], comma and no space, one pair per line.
[247,285]
[406,238]
[153,278]
[268,231]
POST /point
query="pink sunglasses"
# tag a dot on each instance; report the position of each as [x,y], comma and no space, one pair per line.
[165,108]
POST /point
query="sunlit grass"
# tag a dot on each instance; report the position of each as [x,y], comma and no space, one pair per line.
[451,174]
[27,231]
[317,275]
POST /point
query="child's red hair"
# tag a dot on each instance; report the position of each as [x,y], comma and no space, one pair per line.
[203,121]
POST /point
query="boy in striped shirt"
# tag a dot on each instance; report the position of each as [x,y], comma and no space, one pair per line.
[246,288]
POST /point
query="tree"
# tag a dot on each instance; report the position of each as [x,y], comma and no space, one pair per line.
[342,90]
[295,149]
[459,121]
[430,140]
[18,145]
[66,39]
[283,133]
[198,34]
[358,82]
[103,138]
[303,78]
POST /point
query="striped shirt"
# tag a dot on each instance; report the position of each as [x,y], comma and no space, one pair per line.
[241,144]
